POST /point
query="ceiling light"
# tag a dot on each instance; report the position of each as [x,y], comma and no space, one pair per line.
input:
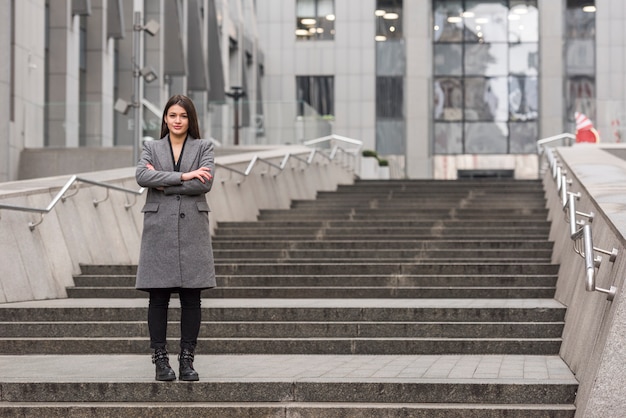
[468,14]
[308,21]
[302,32]
[589,9]
[380,38]
[520,10]
[392,28]
[455,19]
[330,17]
[391,16]
[320,30]
[379,13]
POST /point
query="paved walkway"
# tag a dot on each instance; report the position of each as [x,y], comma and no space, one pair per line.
[338,368]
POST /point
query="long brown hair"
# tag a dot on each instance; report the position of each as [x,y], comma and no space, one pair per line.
[186,103]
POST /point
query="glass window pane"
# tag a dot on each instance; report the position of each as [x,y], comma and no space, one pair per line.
[389,97]
[448,23]
[315,19]
[388,19]
[448,59]
[486,59]
[486,21]
[524,59]
[448,138]
[580,56]
[523,22]
[580,97]
[579,24]
[486,138]
[448,98]
[524,136]
[523,98]
[486,99]
[317,93]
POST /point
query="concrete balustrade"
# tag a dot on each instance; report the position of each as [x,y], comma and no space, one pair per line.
[39,264]
[593,338]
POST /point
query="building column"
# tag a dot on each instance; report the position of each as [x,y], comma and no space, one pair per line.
[8,162]
[63,76]
[551,68]
[418,99]
[99,79]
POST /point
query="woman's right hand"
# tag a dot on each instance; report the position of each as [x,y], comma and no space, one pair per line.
[203,174]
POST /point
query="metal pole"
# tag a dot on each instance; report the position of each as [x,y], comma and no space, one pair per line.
[136,88]
[236,120]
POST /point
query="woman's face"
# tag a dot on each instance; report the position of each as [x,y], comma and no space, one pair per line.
[177,120]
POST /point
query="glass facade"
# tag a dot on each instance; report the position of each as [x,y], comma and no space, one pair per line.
[485,84]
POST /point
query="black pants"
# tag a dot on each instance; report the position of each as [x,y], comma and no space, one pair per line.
[190,317]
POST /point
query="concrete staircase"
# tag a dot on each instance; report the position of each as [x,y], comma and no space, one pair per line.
[385,298]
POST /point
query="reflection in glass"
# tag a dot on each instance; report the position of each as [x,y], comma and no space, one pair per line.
[389,97]
[523,21]
[579,24]
[486,59]
[486,21]
[448,23]
[388,19]
[448,138]
[486,138]
[580,56]
[448,59]
[523,137]
[486,66]
[523,98]
[580,96]
[524,59]
[486,99]
[448,98]
[315,19]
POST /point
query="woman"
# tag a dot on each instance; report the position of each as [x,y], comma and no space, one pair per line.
[176,254]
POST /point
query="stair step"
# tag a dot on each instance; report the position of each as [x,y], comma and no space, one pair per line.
[329,310]
[282,409]
[274,345]
[543,380]
[284,329]
[96,280]
[225,268]
[331,292]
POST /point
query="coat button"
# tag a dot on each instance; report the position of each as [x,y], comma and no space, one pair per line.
[182,215]
[177,197]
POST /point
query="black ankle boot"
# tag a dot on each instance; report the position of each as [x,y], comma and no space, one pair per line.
[162,363]
[185,370]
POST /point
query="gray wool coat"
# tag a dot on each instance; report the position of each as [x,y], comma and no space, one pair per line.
[176,249]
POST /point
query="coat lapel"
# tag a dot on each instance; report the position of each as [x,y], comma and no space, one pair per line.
[190,154]
[164,153]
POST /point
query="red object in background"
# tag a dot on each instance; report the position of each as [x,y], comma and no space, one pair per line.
[585,131]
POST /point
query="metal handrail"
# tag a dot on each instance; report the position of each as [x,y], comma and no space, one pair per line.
[582,237]
[544,141]
[308,161]
[61,195]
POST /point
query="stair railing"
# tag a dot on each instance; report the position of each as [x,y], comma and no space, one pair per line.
[580,229]
[332,155]
[62,195]
[75,180]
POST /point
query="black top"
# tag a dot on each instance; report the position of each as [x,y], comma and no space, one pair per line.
[180,157]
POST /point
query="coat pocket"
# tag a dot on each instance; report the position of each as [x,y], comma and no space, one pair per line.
[150,207]
[203,207]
